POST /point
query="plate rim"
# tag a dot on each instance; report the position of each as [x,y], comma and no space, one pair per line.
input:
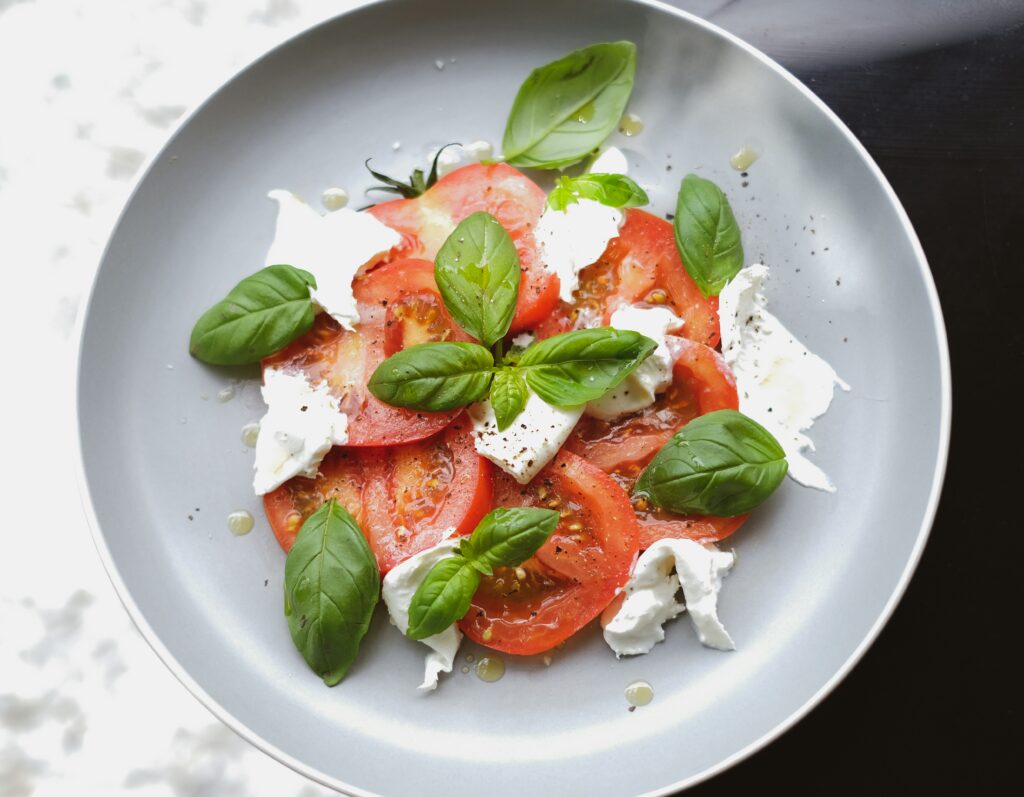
[312,773]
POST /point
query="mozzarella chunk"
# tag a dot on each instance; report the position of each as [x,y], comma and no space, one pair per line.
[651,596]
[609,161]
[400,584]
[572,239]
[532,440]
[781,384]
[456,156]
[302,422]
[332,248]
[653,375]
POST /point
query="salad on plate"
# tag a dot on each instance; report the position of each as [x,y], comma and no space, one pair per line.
[507,411]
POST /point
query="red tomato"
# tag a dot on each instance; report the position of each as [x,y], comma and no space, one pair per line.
[702,383]
[573,576]
[404,497]
[512,198]
[398,306]
[641,265]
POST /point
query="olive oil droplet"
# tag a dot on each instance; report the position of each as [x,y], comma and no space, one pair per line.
[639,693]
[743,158]
[631,125]
[490,668]
[585,114]
[250,433]
[226,394]
[240,522]
[334,198]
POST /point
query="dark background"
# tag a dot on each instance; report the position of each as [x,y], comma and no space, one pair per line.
[935,91]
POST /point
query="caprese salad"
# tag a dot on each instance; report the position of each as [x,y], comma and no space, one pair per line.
[508,411]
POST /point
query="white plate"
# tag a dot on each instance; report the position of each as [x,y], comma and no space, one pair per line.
[163,464]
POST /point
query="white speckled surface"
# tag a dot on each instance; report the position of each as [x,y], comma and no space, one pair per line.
[88,91]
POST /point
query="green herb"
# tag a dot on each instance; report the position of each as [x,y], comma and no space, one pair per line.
[261,314]
[613,190]
[417,185]
[722,464]
[508,396]
[707,235]
[477,272]
[434,377]
[506,537]
[331,586]
[580,366]
[564,110]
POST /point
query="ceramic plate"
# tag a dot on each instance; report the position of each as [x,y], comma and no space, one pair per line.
[163,463]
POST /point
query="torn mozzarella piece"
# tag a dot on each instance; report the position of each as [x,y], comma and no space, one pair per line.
[781,384]
[574,238]
[609,161]
[532,440]
[400,584]
[332,248]
[653,375]
[651,596]
[455,156]
[302,423]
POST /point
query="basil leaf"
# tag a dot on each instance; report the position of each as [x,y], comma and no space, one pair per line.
[433,377]
[260,315]
[565,109]
[580,366]
[443,597]
[331,586]
[707,235]
[506,537]
[613,190]
[722,464]
[508,396]
[477,272]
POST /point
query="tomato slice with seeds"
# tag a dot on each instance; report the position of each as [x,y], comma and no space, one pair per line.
[640,266]
[512,198]
[702,383]
[404,497]
[574,575]
[399,305]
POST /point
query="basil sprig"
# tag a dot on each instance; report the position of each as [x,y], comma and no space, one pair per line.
[613,190]
[477,272]
[707,235]
[580,366]
[565,109]
[722,464]
[506,537]
[331,586]
[434,377]
[260,315]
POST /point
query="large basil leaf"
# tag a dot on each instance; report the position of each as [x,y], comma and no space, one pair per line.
[707,234]
[506,537]
[613,190]
[331,586]
[477,272]
[260,315]
[434,376]
[722,464]
[564,110]
[509,395]
[581,366]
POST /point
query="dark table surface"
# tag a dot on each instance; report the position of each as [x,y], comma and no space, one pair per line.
[935,91]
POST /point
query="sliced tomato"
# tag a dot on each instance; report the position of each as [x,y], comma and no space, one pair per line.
[702,383]
[512,198]
[641,265]
[404,498]
[415,493]
[573,576]
[399,305]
